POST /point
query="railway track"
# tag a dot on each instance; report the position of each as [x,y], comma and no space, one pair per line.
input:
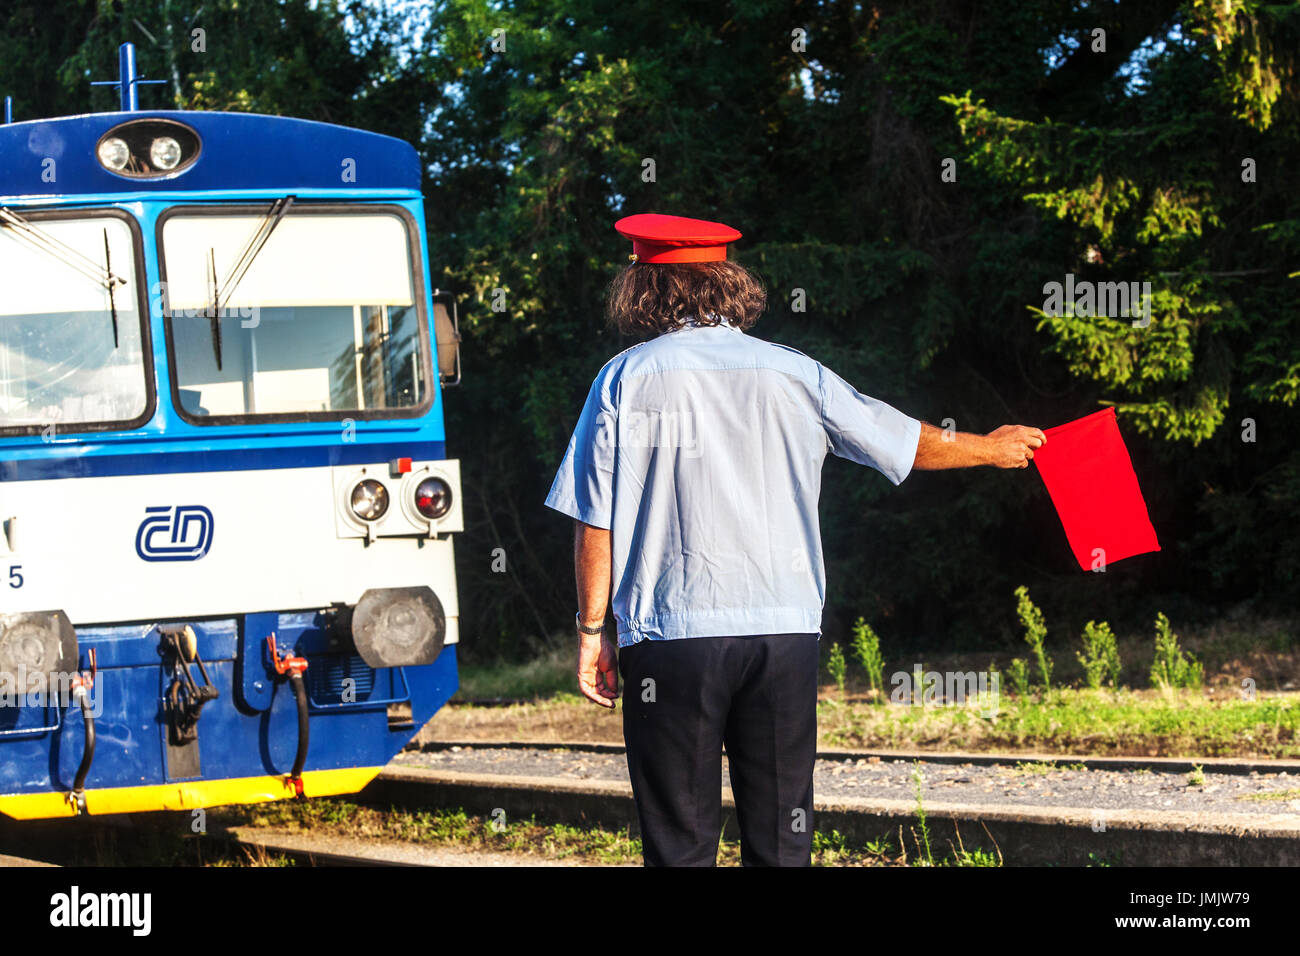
[1228,765]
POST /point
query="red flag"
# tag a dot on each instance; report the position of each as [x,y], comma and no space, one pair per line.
[1090,479]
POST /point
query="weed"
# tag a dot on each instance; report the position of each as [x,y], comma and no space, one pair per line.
[837,667]
[1035,634]
[918,779]
[1172,668]
[866,648]
[1018,673]
[1100,657]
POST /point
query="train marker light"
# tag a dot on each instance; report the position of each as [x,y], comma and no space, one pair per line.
[433,498]
[369,500]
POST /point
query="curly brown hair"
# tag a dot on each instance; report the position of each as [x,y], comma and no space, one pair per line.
[648,298]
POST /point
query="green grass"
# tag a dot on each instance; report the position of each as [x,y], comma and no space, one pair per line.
[548,675]
[1048,766]
[974,857]
[1292,794]
[1124,722]
[835,849]
[1145,723]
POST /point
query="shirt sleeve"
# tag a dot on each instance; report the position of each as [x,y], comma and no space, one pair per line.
[584,485]
[866,430]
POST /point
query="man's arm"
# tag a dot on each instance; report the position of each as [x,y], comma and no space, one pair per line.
[1010,446]
[597,657]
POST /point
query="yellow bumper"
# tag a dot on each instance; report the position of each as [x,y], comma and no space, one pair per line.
[187,795]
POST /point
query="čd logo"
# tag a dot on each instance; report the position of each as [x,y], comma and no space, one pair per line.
[180,533]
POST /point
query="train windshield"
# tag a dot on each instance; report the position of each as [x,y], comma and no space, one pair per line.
[71,350]
[317,318]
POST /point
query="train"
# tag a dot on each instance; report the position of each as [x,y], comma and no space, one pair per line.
[228,514]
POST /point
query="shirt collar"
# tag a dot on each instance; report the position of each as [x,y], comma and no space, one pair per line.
[693,323]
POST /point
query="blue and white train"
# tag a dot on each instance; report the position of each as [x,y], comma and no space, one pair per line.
[227,509]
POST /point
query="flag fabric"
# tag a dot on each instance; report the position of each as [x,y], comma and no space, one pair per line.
[1089,476]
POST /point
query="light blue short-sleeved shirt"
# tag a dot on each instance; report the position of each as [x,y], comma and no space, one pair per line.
[701,450]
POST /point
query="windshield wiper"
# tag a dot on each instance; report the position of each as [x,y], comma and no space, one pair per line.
[112,300]
[44,242]
[237,272]
[214,316]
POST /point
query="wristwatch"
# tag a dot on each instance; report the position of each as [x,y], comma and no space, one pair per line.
[577,619]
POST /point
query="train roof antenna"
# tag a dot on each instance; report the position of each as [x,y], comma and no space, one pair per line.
[126,81]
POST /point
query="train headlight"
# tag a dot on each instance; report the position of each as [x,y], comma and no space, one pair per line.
[165,153]
[369,500]
[114,153]
[433,498]
[149,148]
[399,627]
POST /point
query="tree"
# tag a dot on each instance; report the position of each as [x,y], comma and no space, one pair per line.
[911,174]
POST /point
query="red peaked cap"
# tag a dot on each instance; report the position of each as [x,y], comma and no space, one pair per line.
[657,238]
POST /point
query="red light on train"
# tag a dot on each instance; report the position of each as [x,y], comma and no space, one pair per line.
[433,498]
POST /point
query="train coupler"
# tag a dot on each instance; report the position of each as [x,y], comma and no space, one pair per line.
[185,696]
[185,699]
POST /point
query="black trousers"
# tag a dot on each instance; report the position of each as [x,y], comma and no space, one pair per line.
[683,701]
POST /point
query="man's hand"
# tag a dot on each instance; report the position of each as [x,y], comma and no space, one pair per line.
[597,658]
[1011,446]
[598,669]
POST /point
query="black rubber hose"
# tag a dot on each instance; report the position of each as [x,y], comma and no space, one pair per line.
[300,695]
[88,754]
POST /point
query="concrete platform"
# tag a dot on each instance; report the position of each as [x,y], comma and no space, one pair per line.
[1021,833]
